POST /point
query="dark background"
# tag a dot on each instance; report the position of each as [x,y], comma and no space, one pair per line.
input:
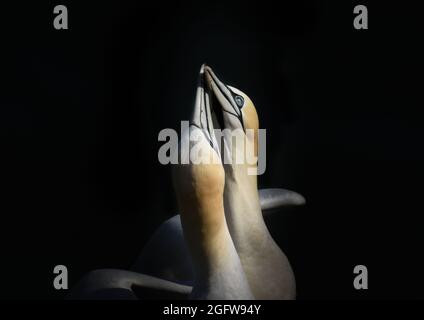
[81,110]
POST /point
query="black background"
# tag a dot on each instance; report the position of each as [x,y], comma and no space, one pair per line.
[81,110]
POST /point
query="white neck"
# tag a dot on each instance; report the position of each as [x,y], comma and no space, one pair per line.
[243,210]
[267,269]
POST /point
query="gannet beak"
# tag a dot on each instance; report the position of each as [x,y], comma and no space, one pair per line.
[222,92]
[202,113]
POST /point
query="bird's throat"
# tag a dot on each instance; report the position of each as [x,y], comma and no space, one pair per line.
[243,213]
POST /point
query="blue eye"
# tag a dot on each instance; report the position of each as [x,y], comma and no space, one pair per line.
[239,101]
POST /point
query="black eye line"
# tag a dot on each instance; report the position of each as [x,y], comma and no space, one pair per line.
[240,118]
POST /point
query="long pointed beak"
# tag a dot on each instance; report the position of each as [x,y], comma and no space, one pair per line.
[223,94]
[202,113]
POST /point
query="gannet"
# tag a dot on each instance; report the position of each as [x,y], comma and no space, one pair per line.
[267,268]
[165,254]
[199,186]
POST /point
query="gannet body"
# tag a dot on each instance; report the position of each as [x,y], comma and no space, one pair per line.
[166,256]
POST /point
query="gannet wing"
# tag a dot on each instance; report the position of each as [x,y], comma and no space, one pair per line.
[165,255]
[278,198]
[114,284]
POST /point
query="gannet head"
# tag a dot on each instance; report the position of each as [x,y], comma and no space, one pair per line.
[235,114]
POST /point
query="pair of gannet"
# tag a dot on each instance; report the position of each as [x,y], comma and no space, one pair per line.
[233,256]
[233,253]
